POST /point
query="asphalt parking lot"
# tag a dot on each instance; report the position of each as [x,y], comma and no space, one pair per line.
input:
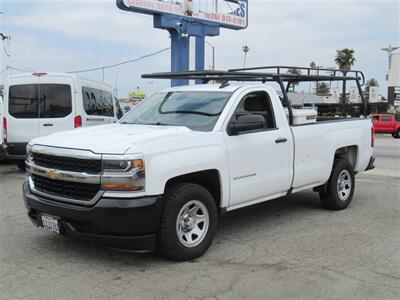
[289,248]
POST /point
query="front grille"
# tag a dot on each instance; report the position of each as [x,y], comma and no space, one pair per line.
[71,164]
[65,189]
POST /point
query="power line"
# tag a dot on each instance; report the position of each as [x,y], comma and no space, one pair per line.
[121,63]
[21,69]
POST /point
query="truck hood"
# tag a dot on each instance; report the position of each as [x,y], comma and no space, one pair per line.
[110,139]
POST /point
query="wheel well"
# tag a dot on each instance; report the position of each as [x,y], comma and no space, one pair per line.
[349,152]
[209,179]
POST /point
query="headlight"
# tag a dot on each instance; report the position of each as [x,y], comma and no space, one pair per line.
[122,165]
[122,173]
[29,156]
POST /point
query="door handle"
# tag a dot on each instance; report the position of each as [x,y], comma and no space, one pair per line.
[48,125]
[94,119]
[281,140]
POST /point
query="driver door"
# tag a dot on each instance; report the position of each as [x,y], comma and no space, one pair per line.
[259,160]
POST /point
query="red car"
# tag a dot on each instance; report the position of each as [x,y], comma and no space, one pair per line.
[386,124]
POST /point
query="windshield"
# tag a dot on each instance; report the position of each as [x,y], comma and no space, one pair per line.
[195,110]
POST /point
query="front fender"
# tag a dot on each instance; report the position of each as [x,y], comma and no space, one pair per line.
[165,166]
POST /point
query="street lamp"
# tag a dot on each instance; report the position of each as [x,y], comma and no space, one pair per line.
[213,54]
[389,50]
[245,50]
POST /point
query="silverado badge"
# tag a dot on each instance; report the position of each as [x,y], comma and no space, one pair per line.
[52,174]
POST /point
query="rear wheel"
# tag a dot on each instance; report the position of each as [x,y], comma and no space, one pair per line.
[396,135]
[340,187]
[188,223]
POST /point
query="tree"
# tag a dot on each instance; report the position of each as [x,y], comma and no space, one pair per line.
[345,59]
[369,83]
[294,71]
[323,88]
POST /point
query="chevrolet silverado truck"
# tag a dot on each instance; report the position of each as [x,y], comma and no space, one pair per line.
[385,123]
[161,176]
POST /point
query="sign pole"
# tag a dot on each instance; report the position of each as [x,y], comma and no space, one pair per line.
[179,55]
[182,22]
[200,54]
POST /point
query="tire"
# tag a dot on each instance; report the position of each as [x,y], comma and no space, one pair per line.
[340,187]
[188,222]
[396,135]
[21,165]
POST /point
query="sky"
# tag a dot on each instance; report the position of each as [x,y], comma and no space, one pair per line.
[69,35]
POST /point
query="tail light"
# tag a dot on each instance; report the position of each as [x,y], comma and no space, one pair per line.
[39,74]
[5,130]
[77,122]
[372,136]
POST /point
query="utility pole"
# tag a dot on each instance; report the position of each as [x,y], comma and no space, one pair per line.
[6,45]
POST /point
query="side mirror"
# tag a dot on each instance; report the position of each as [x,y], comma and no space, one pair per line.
[247,123]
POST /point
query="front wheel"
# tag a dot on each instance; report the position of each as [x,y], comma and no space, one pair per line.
[188,223]
[340,187]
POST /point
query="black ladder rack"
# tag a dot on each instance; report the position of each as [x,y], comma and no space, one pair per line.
[277,76]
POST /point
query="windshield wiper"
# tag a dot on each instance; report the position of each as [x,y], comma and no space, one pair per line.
[152,124]
[158,124]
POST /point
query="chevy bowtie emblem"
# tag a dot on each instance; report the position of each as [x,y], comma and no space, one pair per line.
[52,173]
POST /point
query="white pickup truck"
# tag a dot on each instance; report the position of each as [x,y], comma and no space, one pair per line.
[161,176]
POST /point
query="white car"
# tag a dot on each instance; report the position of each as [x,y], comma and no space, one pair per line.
[163,174]
[40,104]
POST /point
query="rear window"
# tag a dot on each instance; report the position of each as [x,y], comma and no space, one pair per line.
[23,101]
[55,101]
[97,102]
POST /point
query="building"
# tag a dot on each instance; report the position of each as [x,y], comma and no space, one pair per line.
[394,81]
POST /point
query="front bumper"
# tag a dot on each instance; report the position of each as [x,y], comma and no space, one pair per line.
[126,223]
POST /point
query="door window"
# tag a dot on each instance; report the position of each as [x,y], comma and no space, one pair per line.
[256,103]
[107,101]
[23,101]
[97,102]
[55,100]
[386,119]
[120,113]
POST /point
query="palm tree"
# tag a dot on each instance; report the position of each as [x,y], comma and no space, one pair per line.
[345,59]
[369,83]
[294,71]
[322,88]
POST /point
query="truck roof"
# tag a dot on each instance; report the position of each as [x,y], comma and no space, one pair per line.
[55,74]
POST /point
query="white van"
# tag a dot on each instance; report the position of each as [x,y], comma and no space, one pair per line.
[40,104]
[2,155]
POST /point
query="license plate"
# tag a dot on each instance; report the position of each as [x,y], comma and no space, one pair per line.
[50,223]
